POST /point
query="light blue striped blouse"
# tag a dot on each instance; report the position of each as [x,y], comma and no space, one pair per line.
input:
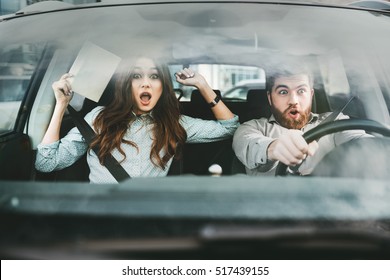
[69,149]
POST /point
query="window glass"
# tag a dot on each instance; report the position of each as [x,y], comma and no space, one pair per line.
[17,65]
[233,81]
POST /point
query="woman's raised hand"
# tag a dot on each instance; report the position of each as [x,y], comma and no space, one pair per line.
[188,77]
[63,89]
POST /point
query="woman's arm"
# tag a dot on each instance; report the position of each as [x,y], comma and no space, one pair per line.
[63,93]
[203,131]
[190,78]
[53,153]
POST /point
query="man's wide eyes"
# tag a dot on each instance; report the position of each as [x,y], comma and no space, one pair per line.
[299,91]
[283,92]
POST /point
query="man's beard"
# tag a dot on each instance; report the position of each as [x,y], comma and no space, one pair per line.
[284,120]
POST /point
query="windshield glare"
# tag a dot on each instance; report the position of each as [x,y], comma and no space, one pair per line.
[233,45]
[200,198]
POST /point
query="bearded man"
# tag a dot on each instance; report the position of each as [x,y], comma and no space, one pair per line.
[261,143]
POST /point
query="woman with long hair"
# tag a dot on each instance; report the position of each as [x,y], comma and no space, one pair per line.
[141,127]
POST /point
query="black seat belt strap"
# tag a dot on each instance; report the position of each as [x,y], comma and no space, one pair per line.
[88,133]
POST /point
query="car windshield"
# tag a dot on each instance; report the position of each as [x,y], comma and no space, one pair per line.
[236,46]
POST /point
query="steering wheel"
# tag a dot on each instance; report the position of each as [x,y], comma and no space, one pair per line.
[337,126]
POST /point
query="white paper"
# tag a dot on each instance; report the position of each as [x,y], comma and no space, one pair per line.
[92,70]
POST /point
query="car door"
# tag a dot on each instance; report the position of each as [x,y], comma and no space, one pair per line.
[21,69]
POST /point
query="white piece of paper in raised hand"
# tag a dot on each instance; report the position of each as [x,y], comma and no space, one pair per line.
[92,71]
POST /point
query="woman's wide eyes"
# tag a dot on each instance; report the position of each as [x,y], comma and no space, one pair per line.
[139,76]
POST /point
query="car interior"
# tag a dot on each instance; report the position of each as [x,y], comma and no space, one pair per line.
[197,158]
[211,214]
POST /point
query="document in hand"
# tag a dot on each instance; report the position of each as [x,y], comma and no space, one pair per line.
[92,70]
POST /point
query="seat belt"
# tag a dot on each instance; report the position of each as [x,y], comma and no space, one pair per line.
[88,133]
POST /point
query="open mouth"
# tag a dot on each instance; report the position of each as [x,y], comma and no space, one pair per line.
[294,113]
[145,98]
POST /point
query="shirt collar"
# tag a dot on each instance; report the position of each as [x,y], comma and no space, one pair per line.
[145,118]
[142,116]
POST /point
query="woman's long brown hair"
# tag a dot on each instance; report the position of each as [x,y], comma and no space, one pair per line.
[113,121]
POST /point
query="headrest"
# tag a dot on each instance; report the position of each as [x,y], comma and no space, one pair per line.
[257,101]
[196,97]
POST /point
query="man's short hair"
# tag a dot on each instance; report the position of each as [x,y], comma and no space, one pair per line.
[286,70]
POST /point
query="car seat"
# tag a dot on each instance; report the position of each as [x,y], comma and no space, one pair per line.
[257,105]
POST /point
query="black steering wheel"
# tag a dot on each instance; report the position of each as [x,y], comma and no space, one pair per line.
[337,126]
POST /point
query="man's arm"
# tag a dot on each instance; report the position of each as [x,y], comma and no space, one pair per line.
[250,145]
[258,148]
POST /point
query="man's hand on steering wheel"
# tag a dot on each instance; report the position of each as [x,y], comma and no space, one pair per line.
[334,127]
[291,148]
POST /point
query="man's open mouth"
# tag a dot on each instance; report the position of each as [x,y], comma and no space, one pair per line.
[293,113]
